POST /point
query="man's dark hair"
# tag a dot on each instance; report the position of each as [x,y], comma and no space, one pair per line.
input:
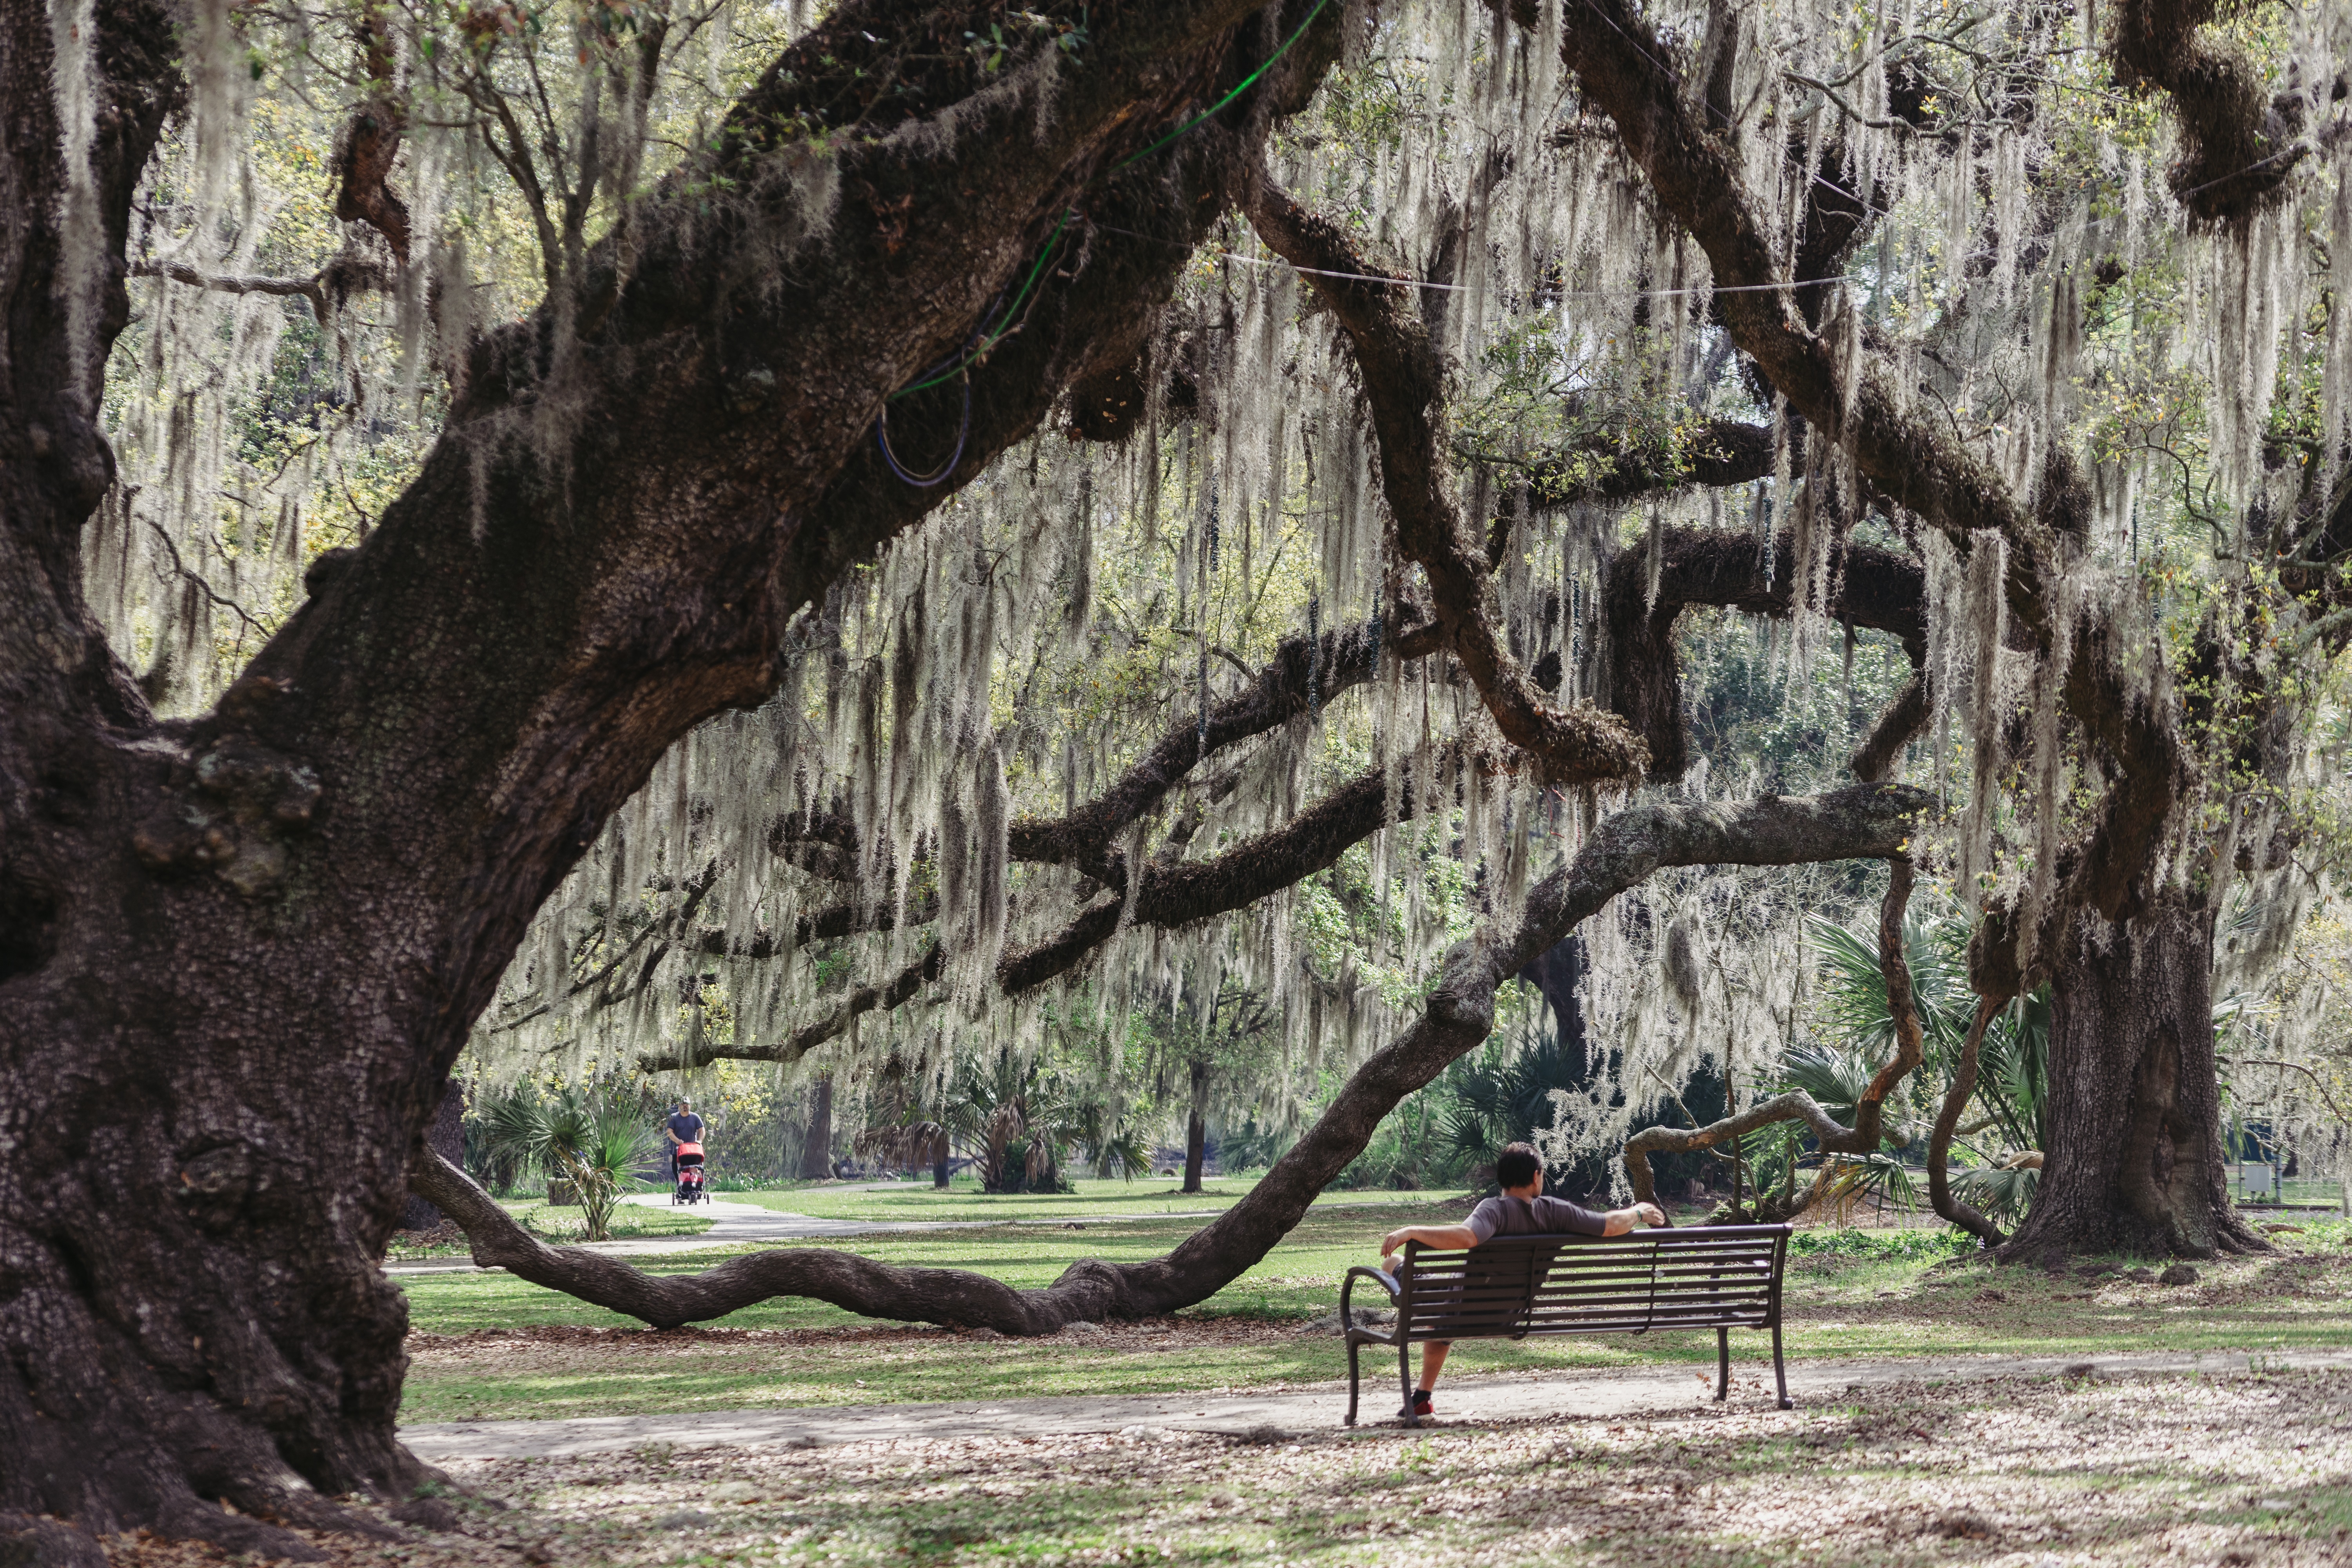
[1517,1165]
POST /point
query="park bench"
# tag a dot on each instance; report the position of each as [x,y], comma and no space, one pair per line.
[1720,1276]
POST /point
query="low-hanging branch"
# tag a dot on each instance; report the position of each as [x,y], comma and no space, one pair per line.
[828,924]
[1174,893]
[1947,1119]
[1184,892]
[350,272]
[892,992]
[1872,821]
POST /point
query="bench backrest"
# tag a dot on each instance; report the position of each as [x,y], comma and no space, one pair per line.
[1721,1276]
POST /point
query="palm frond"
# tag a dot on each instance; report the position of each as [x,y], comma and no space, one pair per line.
[2001,1195]
[1836,1079]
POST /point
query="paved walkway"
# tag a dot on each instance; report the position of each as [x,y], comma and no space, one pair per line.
[1647,1390]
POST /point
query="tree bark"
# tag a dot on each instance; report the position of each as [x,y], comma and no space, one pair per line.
[239,953]
[816,1154]
[2135,1158]
[1196,1127]
[1948,1123]
[447,1138]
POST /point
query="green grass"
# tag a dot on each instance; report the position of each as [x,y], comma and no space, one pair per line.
[1095,1199]
[1891,1296]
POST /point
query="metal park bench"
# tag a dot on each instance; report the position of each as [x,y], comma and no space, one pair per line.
[1722,1277]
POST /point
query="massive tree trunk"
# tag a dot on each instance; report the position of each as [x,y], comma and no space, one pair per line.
[1196,1127]
[239,953]
[2135,1158]
[816,1154]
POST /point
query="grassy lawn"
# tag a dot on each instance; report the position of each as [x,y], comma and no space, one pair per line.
[1094,1199]
[489,1346]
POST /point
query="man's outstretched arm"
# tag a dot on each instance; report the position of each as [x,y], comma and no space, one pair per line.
[1443,1237]
[1617,1221]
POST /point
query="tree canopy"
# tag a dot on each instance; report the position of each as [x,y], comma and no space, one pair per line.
[635,535]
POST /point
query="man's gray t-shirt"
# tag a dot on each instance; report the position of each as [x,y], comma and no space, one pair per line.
[1534,1216]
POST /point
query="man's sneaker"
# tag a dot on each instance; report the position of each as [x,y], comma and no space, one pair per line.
[1419,1407]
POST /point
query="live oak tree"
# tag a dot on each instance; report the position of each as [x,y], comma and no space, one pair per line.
[242,945]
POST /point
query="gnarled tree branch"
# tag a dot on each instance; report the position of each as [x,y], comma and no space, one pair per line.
[1404,385]
[1864,821]
[1868,587]
[2238,146]
[1868,1130]
[1947,1120]
[1349,657]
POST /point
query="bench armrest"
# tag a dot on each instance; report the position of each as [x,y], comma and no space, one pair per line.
[1346,1289]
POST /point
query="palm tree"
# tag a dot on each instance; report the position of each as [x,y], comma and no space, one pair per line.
[592,1142]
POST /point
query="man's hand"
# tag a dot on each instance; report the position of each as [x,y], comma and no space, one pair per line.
[1649,1214]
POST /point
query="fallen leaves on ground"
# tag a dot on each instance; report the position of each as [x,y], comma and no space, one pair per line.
[2247,1471]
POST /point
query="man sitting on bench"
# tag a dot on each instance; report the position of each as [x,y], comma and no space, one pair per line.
[1522,1210]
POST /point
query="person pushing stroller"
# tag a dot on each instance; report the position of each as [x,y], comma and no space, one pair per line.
[684,1132]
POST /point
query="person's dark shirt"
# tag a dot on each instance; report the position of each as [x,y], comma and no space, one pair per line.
[1509,1216]
[687,1126]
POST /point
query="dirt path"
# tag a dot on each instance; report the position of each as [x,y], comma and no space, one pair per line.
[1580,1397]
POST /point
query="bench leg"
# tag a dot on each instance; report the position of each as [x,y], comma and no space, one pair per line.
[1404,1376]
[1722,1365]
[1780,1371]
[1352,1373]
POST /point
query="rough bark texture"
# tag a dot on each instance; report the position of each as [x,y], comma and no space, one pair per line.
[1865,821]
[2135,1158]
[239,953]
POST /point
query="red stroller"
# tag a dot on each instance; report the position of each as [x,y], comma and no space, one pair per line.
[691,1188]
